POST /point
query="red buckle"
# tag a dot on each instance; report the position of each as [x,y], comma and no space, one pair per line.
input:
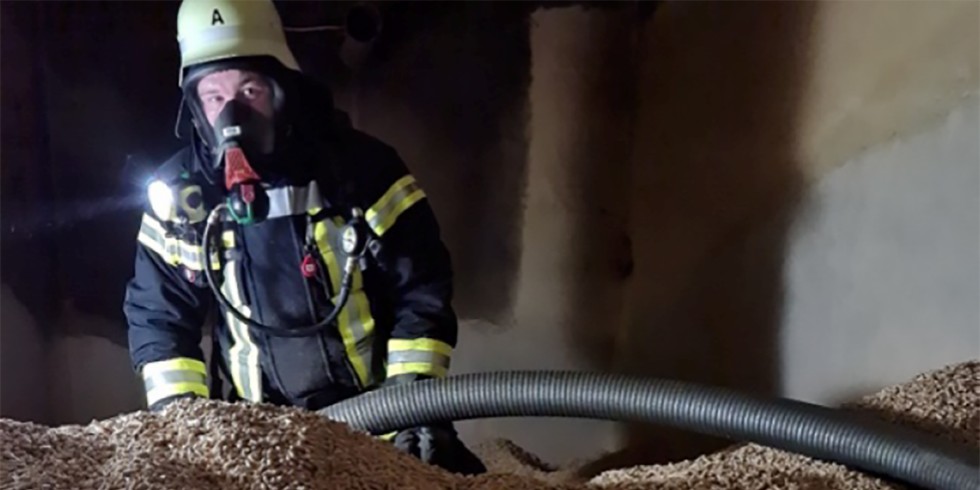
[308,266]
[248,193]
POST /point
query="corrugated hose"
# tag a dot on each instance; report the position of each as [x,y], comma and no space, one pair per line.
[853,439]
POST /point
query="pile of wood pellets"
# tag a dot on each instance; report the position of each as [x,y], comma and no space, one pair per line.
[215,445]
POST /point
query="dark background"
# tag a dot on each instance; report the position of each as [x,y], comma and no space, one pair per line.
[89,104]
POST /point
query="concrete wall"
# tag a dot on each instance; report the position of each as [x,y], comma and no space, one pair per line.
[883,275]
[61,379]
[746,274]
[89,376]
[714,160]
[569,284]
[23,362]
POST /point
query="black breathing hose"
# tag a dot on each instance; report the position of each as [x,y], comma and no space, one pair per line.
[848,438]
[306,331]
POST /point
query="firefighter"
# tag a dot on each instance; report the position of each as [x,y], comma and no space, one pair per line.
[307,246]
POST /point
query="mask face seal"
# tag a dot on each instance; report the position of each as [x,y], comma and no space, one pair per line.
[261,136]
[242,142]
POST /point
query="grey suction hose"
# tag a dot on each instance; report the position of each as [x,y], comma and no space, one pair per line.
[847,438]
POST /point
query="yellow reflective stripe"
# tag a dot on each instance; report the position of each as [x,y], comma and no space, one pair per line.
[320,235]
[400,196]
[153,236]
[422,344]
[417,368]
[149,242]
[422,356]
[244,354]
[347,314]
[173,251]
[176,376]
[165,391]
[355,322]
[176,364]
[387,437]
[153,224]
[395,357]
[362,326]
[228,239]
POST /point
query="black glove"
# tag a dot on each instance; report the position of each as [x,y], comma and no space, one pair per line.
[436,444]
[439,445]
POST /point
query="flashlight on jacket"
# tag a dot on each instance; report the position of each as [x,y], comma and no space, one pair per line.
[178,201]
[162,200]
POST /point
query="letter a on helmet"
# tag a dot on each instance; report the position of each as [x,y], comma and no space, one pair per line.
[211,30]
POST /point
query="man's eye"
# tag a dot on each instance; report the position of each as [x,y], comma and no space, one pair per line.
[251,91]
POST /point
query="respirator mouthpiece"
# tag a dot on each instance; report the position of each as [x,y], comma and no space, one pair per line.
[247,201]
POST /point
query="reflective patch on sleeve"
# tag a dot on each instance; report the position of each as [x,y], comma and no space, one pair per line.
[400,196]
[172,377]
[172,250]
[153,236]
[418,356]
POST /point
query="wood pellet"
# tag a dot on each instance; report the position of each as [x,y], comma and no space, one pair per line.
[210,445]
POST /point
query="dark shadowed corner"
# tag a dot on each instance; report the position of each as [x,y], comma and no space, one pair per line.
[29,264]
[94,121]
[447,88]
[717,182]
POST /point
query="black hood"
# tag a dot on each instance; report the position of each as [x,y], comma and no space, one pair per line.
[305,121]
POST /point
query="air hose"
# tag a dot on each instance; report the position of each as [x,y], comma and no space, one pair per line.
[305,331]
[848,438]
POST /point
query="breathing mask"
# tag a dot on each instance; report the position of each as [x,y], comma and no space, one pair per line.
[242,143]
[242,133]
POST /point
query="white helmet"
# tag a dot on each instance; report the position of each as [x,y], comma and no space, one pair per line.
[212,30]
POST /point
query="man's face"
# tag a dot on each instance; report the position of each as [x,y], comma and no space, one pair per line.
[216,89]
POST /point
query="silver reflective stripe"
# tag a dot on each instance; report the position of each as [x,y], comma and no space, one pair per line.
[152,238]
[289,201]
[361,325]
[418,356]
[190,255]
[244,354]
[173,377]
[176,376]
[399,197]
[172,250]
